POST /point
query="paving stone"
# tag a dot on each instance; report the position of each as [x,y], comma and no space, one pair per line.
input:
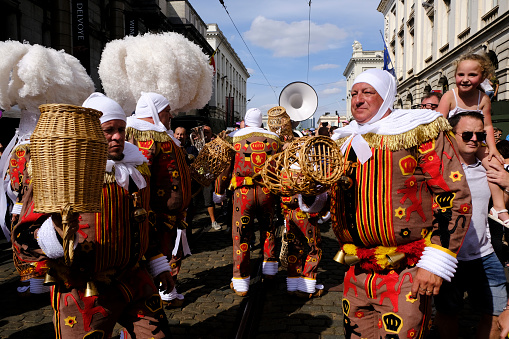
[211,309]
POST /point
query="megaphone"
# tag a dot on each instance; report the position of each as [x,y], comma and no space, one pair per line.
[299,99]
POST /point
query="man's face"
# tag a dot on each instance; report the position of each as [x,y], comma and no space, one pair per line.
[430,103]
[180,134]
[114,132]
[207,133]
[365,102]
[465,125]
[165,116]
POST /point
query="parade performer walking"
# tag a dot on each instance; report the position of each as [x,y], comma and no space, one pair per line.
[303,242]
[253,145]
[107,282]
[170,183]
[42,75]
[402,217]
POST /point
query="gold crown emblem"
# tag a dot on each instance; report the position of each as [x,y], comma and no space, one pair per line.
[445,200]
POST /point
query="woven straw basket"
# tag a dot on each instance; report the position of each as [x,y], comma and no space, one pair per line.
[69,154]
[279,122]
[213,159]
[308,165]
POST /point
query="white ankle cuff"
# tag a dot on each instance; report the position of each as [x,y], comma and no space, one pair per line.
[241,285]
[292,284]
[269,267]
[307,285]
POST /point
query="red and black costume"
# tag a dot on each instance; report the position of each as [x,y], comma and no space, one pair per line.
[253,146]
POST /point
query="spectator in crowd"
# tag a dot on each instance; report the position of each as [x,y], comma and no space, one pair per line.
[323,131]
[182,136]
[479,271]
[497,230]
[497,132]
[431,100]
[209,190]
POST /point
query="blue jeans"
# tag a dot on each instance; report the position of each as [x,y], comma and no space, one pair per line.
[485,282]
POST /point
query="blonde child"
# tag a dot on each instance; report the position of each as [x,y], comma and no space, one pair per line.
[471,70]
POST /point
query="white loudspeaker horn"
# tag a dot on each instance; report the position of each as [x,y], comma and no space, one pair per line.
[299,99]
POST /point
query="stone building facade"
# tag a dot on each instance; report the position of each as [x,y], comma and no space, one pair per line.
[361,60]
[82,28]
[424,38]
[228,102]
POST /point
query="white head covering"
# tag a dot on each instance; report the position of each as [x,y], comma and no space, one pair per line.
[385,85]
[253,117]
[110,109]
[149,105]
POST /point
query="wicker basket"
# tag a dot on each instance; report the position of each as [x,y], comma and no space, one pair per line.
[279,122]
[321,160]
[213,159]
[275,176]
[69,154]
[308,165]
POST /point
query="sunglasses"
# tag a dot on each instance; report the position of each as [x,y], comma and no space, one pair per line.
[467,136]
[429,106]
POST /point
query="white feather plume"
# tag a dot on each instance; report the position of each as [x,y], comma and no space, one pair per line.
[11,52]
[42,75]
[113,65]
[167,63]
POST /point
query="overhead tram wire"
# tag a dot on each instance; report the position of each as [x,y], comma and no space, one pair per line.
[309,37]
[256,62]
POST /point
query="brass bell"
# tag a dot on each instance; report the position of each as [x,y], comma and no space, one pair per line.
[91,289]
[140,214]
[340,257]
[49,280]
[345,182]
[395,257]
[351,260]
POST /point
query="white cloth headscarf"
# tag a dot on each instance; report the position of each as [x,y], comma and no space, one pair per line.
[385,85]
[133,157]
[126,167]
[253,117]
[148,106]
[110,109]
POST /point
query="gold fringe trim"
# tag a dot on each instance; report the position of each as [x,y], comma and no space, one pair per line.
[29,168]
[144,169]
[24,147]
[138,135]
[109,177]
[254,134]
[414,137]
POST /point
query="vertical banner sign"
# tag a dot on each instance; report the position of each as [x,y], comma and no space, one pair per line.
[229,111]
[232,111]
[227,117]
[80,33]
[131,24]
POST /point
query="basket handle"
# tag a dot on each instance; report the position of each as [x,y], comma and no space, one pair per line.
[69,233]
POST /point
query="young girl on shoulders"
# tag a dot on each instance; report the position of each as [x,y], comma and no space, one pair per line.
[471,70]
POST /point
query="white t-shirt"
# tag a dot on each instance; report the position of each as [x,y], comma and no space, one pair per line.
[477,242]
[485,85]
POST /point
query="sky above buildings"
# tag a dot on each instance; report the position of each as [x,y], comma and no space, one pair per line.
[277,33]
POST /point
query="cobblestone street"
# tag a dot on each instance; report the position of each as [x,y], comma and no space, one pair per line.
[211,309]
